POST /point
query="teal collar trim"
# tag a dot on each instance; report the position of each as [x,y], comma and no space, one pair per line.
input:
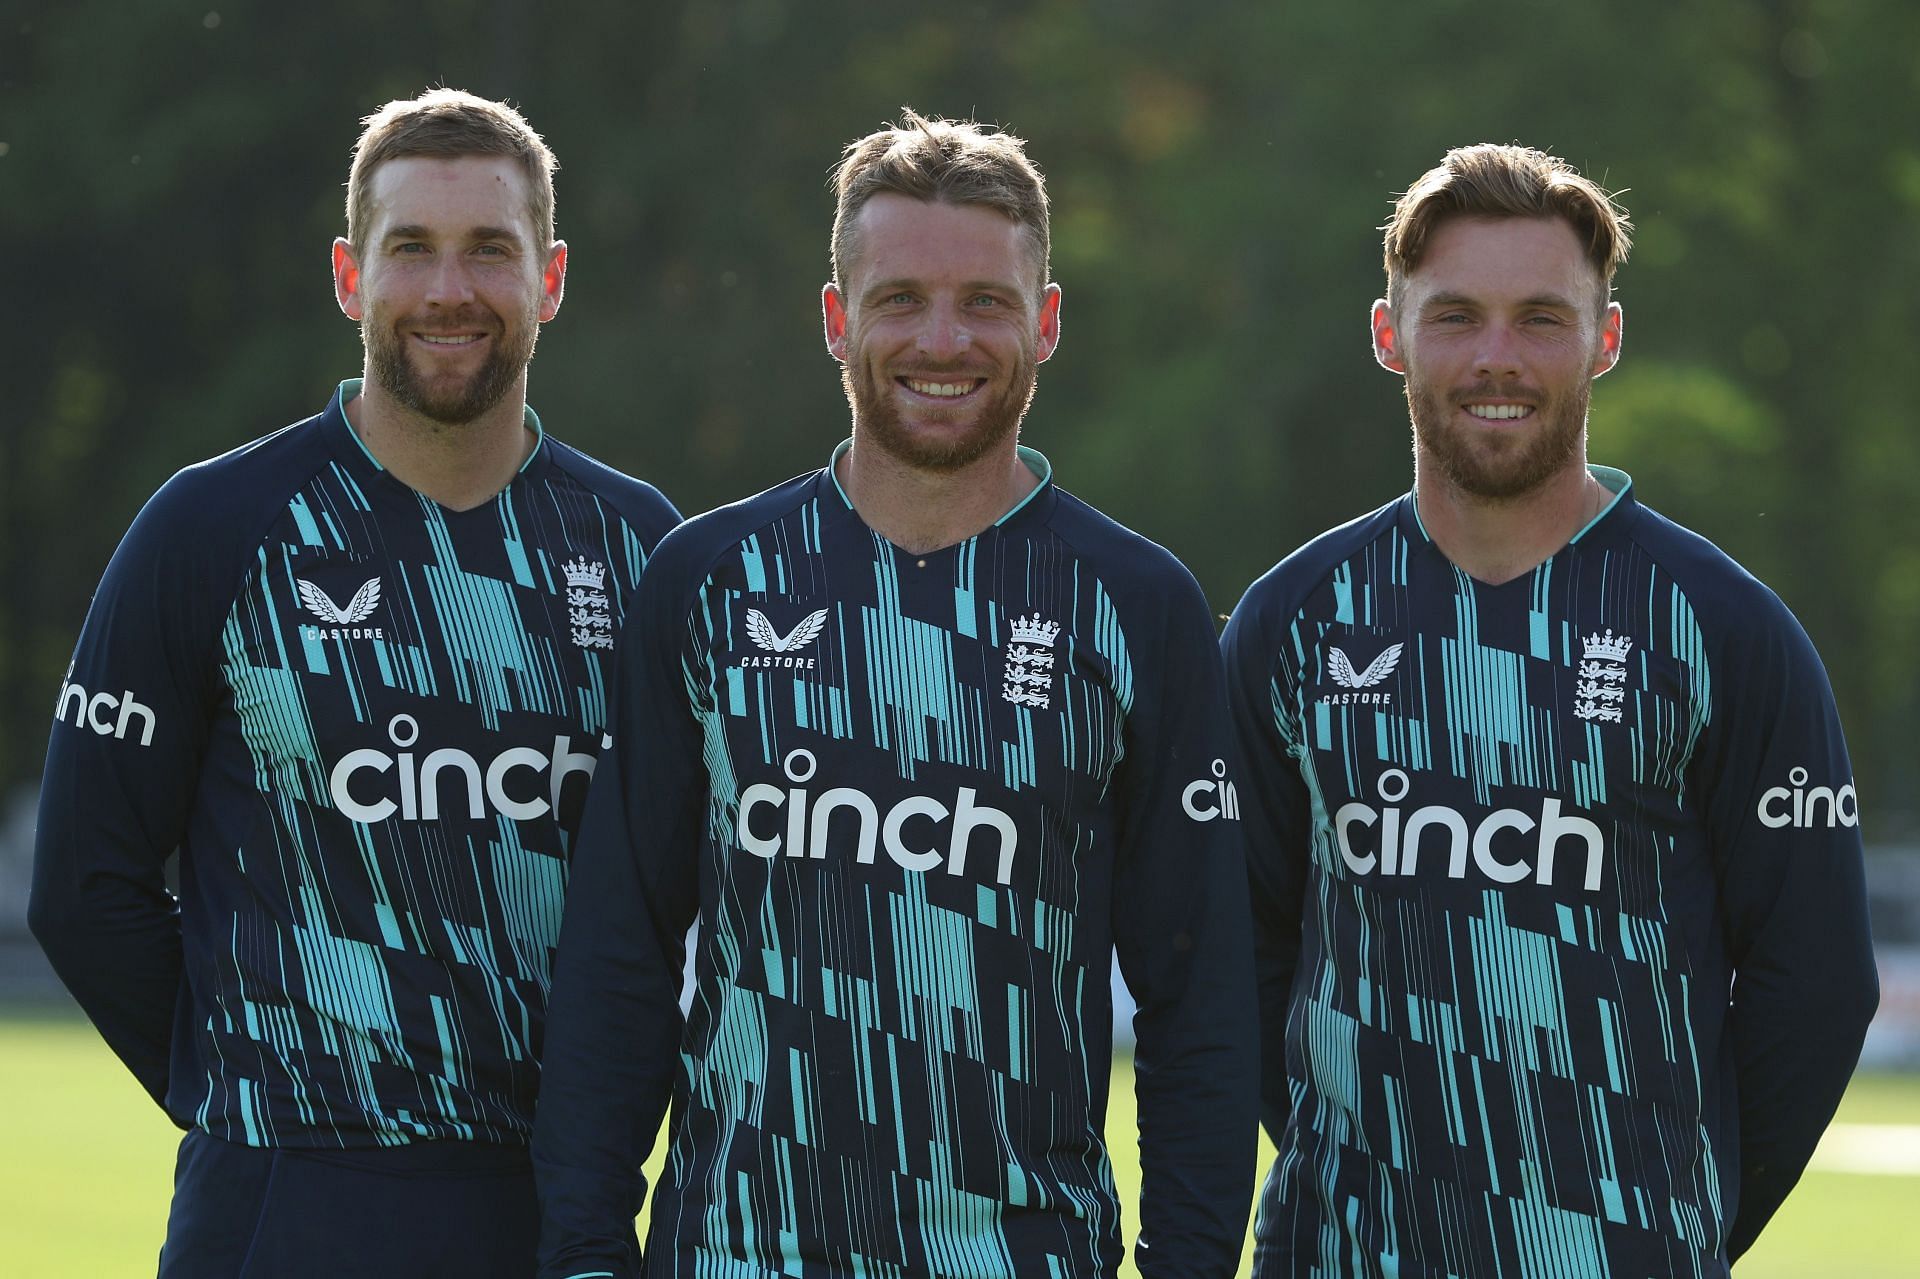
[1033,459]
[350,388]
[1614,480]
[532,421]
[833,469]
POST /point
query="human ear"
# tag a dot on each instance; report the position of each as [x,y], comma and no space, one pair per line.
[833,319]
[1386,339]
[346,279]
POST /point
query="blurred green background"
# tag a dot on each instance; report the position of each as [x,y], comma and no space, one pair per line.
[171,176]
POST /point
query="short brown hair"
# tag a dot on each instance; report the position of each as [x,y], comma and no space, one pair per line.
[1493,181]
[955,162]
[448,123]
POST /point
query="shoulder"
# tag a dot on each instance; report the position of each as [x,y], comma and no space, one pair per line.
[639,503]
[226,500]
[176,570]
[688,553]
[1736,614]
[1283,589]
[1131,567]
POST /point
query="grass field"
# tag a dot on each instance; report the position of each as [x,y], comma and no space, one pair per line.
[86,1166]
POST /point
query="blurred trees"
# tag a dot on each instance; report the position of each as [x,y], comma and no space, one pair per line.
[171,176]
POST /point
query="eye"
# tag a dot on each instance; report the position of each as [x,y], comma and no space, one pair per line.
[984,299]
[1548,320]
[410,247]
[899,299]
[490,250]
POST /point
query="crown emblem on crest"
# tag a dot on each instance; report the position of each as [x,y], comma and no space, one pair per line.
[583,572]
[1034,630]
[1607,648]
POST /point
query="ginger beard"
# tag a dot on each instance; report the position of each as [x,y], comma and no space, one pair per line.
[448,399]
[877,417]
[1497,461]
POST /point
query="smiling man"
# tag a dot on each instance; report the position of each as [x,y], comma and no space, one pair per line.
[1555,850]
[926,740]
[355,673]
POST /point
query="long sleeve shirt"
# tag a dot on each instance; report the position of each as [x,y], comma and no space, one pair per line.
[916,803]
[367,724]
[1557,887]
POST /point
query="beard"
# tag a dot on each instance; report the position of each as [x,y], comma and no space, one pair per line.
[876,417]
[447,401]
[1501,463]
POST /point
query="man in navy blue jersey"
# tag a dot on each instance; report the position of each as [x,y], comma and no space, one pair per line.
[357,673]
[1555,849]
[920,740]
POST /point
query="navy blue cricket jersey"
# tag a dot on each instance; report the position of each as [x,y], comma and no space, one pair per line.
[367,724]
[916,802]
[1562,939]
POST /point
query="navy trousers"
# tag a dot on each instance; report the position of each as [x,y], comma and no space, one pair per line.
[454,1209]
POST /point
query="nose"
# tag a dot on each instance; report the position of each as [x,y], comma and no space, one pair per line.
[1498,357]
[943,332]
[449,283]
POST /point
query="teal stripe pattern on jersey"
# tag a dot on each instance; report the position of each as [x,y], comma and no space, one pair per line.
[936,792]
[1495,897]
[379,717]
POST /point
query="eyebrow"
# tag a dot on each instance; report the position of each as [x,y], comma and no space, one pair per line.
[414,231]
[970,286]
[1539,299]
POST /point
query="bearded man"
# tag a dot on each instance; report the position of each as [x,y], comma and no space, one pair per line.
[921,740]
[356,673]
[1555,849]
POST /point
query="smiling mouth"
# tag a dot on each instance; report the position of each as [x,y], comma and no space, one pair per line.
[1499,412]
[951,390]
[450,339]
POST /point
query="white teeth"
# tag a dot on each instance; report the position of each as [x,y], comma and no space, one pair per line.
[1499,412]
[455,340]
[943,389]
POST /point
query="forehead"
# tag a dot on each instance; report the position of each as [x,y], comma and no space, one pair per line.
[1498,259]
[896,237]
[449,193]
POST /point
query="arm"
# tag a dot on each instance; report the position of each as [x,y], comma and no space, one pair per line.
[614,1023]
[1276,812]
[122,768]
[1793,900]
[1180,926]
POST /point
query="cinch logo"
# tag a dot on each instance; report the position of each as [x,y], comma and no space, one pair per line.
[809,822]
[88,711]
[1204,800]
[1400,838]
[419,780]
[1800,807]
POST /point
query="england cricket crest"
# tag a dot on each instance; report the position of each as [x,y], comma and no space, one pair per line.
[587,612]
[1603,676]
[1027,677]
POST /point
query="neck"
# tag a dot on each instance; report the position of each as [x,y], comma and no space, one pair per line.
[921,510]
[460,467]
[1498,539]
